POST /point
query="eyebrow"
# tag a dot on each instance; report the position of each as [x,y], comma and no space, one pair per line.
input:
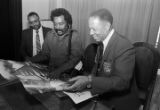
[33,21]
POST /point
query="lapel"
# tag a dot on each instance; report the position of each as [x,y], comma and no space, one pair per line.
[30,41]
[110,43]
[108,49]
[43,30]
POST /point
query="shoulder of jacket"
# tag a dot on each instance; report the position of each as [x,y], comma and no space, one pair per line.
[50,34]
[74,31]
[123,41]
[123,45]
[46,28]
[26,30]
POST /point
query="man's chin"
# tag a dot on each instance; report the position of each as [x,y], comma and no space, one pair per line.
[96,39]
[36,27]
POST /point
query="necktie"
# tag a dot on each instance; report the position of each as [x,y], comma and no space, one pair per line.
[98,59]
[38,45]
[99,53]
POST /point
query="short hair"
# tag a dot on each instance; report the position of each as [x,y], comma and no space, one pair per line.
[61,11]
[103,14]
[32,14]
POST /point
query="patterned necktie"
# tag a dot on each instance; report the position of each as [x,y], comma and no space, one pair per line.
[99,53]
[98,59]
[38,45]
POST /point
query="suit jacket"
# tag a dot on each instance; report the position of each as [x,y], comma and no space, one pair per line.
[114,76]
[27,42]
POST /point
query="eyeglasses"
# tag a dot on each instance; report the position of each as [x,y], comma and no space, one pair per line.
[33,22]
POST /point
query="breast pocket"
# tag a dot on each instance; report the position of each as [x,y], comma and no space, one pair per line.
[107,67]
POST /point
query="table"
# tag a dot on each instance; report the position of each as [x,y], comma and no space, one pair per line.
[19,99]
[55,101]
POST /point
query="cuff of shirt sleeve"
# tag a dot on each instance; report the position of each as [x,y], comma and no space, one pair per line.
[89,81]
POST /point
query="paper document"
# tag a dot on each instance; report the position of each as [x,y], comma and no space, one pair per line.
[79,96]
[16,65]
[33,80]
[33,76]
[7,68]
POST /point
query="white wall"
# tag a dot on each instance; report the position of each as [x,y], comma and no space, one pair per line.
[39,6]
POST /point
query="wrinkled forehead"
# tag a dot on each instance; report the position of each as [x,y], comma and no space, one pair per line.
[59,19]
[33,18]
[95,21]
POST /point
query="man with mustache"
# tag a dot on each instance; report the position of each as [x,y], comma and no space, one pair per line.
[29,36]
[62,46]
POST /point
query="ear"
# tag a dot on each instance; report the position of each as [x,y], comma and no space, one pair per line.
[107,25]
[69,26]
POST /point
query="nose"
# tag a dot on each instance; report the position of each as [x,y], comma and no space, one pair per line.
[57,26]
[91,32]
[34,24]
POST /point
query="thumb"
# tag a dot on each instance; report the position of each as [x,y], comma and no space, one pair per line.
[74,79]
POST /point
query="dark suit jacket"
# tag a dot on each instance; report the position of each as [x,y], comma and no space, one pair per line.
[113,80]
[27,42]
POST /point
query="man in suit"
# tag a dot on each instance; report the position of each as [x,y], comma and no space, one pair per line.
[33,38]
[111,75]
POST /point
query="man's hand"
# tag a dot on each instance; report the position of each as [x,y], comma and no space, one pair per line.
[77,83]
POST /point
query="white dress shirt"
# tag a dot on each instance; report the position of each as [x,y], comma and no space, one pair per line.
[40,32]
[106,40]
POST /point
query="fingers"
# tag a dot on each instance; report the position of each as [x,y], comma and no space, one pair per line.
[74,79]
[73,87]
[69,88]
[78,83]
[72,84]
[62,87]
[59,88]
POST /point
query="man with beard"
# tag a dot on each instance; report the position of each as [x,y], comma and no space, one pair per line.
[62,46]
[33,38]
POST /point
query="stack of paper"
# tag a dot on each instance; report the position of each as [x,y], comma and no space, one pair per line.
[78,97]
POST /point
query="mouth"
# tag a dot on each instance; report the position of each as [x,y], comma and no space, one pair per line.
[59,32]
[35,27]
[96,38]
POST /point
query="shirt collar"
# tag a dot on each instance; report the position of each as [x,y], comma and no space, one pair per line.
[106,40]
[40,29]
